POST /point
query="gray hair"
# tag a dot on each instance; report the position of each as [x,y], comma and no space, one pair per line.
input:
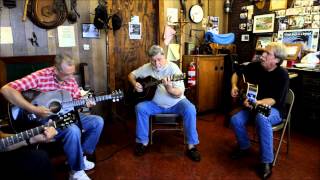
[279,50]
[155,50]
[60,58]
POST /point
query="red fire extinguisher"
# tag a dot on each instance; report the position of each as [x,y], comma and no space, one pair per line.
[191,74]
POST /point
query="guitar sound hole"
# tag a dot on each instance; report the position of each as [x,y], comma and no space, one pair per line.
[55,107]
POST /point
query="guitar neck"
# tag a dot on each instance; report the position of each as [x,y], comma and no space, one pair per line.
[82,102]
[14,139]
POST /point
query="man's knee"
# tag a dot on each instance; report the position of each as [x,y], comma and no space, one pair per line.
[73,132]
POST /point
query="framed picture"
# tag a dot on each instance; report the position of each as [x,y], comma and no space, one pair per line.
[307,37]
[263,23]
[263,41]
[245,37]
[90,31]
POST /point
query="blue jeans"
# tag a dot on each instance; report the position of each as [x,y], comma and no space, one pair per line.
[264,130]
[76,143]
[184,108]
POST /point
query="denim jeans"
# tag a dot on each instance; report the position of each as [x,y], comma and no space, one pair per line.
[264,130]
[76,143]
[184,108]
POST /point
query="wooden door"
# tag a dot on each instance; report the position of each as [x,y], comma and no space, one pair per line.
[207,83]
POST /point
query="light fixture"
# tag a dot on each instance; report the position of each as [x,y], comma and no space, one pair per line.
[227,6]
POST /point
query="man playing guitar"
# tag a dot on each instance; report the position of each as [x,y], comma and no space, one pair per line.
[273,82]
[60,77]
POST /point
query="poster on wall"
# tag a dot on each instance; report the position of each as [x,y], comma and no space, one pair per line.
[307,37]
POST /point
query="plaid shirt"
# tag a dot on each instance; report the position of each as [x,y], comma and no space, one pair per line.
[45,80]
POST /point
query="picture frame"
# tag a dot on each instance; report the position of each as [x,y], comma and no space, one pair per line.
[90,31]
[245,37]
[263,23]
[263,41]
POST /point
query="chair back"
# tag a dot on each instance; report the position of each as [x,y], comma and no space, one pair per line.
[288,107]
[289,104]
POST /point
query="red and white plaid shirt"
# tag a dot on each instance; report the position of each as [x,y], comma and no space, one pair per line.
[45,80]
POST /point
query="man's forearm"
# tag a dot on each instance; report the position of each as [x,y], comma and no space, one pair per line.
[16,98]
[234,80]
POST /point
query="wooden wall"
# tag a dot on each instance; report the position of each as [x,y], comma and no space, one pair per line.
[48,41]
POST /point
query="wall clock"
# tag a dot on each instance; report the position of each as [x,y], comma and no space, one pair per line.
[196,13]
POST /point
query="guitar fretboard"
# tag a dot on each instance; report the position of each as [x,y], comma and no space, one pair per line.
[81,102]
[14,139]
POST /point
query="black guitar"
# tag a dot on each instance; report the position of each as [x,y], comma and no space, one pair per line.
[58,121]
[149,85]
[250,91]
[59,102]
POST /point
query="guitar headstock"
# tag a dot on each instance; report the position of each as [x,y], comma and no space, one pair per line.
[117,95]
[263,109]
[63,121]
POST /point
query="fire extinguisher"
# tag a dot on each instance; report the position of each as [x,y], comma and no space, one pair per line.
[191,74]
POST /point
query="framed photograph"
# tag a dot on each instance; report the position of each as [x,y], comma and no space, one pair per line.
[263,41]
[245,37]
[307,37]
[263,23]
[90,31]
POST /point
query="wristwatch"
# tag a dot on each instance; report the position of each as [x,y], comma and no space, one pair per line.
[196,13]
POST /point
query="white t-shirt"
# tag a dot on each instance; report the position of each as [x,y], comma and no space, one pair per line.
[162,98]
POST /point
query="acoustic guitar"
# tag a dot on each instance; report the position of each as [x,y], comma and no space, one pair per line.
[59,102]
[149,85]
[249,91]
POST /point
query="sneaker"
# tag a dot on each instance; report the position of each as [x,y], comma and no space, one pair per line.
[88,165]
[193,154]
[78,175]
[140,149]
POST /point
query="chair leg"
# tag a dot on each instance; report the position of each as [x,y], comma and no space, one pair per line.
[288,137]
[279,145]
[151,132]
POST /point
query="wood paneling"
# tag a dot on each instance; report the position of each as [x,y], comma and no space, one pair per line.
[124,54]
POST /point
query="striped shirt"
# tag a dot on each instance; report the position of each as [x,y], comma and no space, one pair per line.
[45,80]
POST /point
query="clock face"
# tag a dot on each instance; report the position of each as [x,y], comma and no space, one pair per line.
[196,13]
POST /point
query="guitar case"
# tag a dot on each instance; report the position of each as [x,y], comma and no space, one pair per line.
[47,14]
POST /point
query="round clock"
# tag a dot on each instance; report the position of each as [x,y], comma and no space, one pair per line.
[196,13]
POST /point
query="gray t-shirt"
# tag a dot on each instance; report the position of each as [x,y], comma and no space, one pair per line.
[162,98]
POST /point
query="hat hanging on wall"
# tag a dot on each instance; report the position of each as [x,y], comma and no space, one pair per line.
[101,17]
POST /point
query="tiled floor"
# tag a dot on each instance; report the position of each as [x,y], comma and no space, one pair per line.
[166,159]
